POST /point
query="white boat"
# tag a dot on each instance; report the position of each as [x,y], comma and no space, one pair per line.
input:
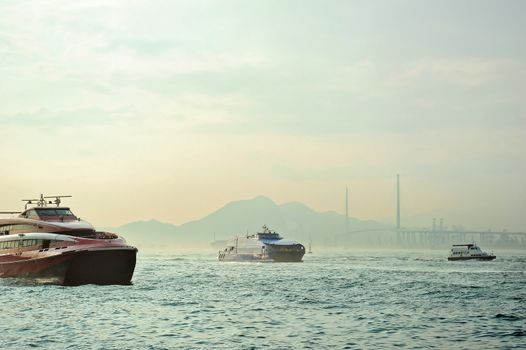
[262,246]
[468,251]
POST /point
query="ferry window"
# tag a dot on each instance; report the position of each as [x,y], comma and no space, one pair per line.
[64,212]
[23,227]
[29,242]
[32,214]
[49,212]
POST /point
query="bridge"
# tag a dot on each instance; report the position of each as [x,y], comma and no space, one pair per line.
[438,236]
[441,239]
[434,238]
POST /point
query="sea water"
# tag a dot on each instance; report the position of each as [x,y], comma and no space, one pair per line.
[345,300]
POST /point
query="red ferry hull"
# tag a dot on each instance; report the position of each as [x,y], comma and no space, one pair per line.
[77,267]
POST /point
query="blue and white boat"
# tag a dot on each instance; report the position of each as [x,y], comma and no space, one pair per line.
[262,246]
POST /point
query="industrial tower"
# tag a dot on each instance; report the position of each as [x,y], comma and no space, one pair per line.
[397,201]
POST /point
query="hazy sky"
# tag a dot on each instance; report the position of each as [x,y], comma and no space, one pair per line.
[170,109]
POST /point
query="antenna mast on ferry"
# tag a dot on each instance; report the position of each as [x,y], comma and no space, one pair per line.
[43,202]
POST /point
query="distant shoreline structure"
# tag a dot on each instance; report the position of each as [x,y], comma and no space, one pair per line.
[301,223]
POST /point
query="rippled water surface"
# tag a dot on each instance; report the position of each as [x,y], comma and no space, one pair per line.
[341,300]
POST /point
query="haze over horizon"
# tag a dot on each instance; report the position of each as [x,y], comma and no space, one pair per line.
[169,110]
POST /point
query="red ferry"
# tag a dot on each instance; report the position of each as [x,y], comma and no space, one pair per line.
[51,244]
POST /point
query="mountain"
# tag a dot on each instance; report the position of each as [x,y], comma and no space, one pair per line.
[292,220]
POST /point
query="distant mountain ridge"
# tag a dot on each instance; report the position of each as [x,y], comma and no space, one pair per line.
[292,220]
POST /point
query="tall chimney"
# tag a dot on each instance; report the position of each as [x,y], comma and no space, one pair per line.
[397,201]
[346,210]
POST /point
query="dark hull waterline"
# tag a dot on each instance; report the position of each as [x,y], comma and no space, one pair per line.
[287,257]
[279,257]
[486,258]
[95,266]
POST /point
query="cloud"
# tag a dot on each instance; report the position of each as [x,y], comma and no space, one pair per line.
[468,72]
[59,118]
[268,95]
